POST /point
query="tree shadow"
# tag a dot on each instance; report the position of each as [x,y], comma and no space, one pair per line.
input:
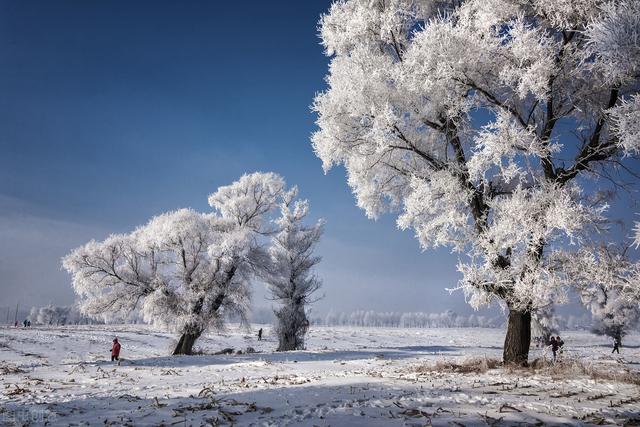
[610,346]
[278,404]
[289,356]
[346,402]
[429,349]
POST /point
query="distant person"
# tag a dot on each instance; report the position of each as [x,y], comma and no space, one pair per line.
[28,323]
[616,345]
[558,346]
[24,324]
[554,347]
[260,334]
[16,324]
[115,350]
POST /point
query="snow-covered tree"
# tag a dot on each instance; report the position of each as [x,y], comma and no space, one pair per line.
[445,319]
[477,121]
[473,322]
[33,314]
[292,282]
[607,283]
[636,234]
[50,315]
[332,318]
[543,322]
[204,273]
[58,315]
[184,270]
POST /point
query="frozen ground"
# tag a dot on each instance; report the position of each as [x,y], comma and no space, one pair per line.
[347,377]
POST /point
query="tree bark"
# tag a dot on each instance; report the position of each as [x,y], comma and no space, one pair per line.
[292,325]
[286,342]
[185,344]
[287,330]
[518,339]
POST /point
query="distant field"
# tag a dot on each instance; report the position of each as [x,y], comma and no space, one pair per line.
[347,377]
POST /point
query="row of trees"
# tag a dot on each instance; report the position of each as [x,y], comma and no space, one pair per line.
[59,315]
[545,322]
[495,128]
[450,319]
[188,271]
[446,319]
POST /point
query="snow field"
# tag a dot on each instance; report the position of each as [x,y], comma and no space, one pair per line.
[347,377]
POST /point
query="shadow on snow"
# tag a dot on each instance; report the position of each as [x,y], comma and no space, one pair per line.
[290,356]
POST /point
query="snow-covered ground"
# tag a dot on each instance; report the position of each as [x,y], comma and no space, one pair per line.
[347,377]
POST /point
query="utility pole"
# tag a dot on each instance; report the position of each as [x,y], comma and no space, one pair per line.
[8,311]
[16,318]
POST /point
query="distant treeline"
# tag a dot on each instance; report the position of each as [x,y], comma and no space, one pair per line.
[370,318]
[59,316]
[446,319]
[71,315]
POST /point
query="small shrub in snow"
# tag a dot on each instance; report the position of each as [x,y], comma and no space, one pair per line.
[572,368]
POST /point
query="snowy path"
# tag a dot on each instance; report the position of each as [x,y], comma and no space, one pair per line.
[349,376]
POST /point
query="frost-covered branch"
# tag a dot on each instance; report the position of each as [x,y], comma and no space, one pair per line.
[608,283]
[520,64]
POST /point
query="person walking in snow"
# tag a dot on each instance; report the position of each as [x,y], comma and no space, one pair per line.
[616,345]
[115,350]
[556,346]
[260,334]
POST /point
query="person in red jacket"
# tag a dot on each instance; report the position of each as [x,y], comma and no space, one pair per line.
[115,350]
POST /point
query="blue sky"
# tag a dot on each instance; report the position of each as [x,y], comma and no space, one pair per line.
[114,111]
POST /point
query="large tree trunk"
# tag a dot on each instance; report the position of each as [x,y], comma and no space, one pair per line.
[286,342]
[286,330]
[518,339]
[291,327]
[185,344]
